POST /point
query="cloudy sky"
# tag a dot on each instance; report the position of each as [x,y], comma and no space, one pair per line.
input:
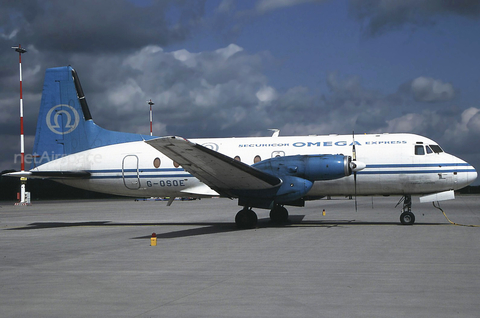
[238,67]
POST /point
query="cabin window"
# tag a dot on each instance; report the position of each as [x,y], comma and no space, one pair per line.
[419,150]
[257,159]
[238,158]
[175,164]
[156,162]
[436,148]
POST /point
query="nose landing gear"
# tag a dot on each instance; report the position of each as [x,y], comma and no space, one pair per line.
[407,217]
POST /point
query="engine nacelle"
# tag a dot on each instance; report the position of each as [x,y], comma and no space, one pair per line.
[309,167]
[298,173]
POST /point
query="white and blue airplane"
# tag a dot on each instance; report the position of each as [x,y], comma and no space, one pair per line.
[261,172]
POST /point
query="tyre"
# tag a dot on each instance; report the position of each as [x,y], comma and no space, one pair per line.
[279,214]
[407,218]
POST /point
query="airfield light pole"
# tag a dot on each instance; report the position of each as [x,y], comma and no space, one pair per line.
[21,50]
[151,116]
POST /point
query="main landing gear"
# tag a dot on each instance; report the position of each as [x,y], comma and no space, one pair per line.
[247,218]
[407,217]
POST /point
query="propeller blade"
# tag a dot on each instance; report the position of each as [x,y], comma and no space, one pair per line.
[354,158]
[354,152]
[355,183]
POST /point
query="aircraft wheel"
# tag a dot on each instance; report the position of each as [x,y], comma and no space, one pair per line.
[407,218]
[246,219]
[279,214]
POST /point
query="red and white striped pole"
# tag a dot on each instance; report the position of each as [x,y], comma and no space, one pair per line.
[151,117]
[21,50]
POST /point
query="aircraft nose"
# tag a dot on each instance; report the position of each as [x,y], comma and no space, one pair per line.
[472,175]
[465,174]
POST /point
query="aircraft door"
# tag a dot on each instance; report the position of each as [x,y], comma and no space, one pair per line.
[130,172]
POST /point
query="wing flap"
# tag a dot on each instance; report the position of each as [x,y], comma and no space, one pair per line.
[221,173]
[201,190]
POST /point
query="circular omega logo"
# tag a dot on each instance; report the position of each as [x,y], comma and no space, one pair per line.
[62,124]
[211,145]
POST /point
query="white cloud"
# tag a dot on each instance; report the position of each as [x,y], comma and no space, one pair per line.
[186,57]
[127,96]
[206,95]
[469,123]
[229,51]
[266,94]
[426,89]
[407,123]
[210,93]
[138,59]
[9,36]
[473,124]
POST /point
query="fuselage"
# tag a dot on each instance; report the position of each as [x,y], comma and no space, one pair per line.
[395,164]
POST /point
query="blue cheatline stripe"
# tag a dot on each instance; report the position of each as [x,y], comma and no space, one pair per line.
[422,165]
[413,171]
[460,167]
[134,170]
[152,173]
[187,175]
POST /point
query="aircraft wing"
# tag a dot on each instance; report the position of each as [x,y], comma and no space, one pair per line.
[219,172]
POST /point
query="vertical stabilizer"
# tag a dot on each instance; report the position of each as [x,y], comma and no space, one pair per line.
[64,124]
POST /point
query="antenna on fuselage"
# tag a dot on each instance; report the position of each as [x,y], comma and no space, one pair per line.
[276,132]
[151,116]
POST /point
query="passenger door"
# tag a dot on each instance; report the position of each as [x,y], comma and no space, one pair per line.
[130,173]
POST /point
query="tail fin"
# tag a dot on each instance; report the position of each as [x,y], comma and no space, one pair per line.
[64,124]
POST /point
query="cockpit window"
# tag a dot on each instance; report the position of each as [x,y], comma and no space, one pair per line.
[419,150]
[436,148]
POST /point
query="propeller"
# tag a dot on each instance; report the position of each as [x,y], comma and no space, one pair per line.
[354,158]
[355,166]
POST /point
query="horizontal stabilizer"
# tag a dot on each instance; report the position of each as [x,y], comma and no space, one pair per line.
[441,196]
[49,174]
[221,173]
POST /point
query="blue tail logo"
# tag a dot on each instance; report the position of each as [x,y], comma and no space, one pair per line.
[55,122]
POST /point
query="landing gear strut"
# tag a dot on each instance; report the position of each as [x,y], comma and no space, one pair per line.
[407,217]
[246,218]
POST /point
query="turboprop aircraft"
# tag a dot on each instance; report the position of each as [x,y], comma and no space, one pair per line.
[261,172]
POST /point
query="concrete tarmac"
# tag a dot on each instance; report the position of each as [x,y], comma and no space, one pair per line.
[94,259]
